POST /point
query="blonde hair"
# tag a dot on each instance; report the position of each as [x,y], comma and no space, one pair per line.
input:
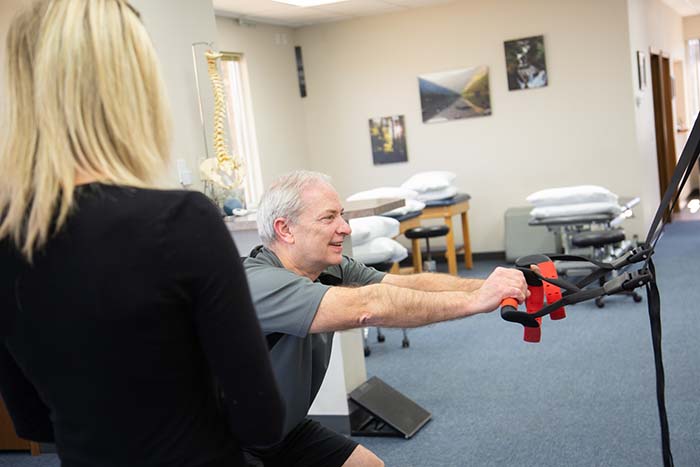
[84,96]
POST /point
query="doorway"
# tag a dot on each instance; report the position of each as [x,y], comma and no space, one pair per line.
[662,88]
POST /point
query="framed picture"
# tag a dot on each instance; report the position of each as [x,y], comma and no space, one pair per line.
[641,69]
[388,137]
[451,95]
[525,63]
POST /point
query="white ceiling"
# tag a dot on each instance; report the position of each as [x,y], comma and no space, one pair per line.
[684,7]
[268,11]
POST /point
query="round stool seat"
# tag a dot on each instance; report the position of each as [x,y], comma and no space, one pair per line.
[427,231]
[598,238]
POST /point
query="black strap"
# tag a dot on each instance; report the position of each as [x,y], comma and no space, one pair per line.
[688,158]
[680,175]
[654,301]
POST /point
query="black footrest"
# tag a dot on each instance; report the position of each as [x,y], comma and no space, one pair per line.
[598,238]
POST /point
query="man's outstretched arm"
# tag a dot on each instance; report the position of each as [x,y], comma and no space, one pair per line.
[433,282]
[389,305]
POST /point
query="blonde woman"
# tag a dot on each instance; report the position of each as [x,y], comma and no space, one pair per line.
[120,303]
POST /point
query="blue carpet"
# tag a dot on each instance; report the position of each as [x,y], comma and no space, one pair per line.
[584,396]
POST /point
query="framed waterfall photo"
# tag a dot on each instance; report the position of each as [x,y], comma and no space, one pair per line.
[525,63]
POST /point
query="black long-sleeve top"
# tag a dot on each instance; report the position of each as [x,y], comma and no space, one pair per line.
[111,340]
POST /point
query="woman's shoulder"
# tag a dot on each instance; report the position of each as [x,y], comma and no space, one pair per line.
[152,200]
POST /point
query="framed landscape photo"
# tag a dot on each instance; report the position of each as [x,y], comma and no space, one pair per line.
[451,95]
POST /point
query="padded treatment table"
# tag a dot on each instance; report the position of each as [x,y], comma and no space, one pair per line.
[444,209]
[567,226]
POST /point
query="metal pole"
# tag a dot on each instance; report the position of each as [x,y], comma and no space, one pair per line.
[199,95]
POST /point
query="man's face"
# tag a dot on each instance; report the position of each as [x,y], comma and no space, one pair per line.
[321,229]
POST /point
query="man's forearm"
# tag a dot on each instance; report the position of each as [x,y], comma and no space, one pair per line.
[432,282]
[391,306]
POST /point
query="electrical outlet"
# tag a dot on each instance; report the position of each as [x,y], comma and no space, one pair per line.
[184,174]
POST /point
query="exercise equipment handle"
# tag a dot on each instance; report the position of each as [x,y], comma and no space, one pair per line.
[509,312]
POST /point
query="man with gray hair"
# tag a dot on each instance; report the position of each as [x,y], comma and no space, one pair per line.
[304,289]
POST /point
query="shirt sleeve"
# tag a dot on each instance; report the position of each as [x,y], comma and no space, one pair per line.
[356,273]
[208,261]
[29,414]
[284,301]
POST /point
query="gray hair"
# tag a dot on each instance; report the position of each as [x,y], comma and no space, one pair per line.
[283,199]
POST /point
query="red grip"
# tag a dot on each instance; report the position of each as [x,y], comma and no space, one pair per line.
[509,302]
[552,292]
[534,303]
[533,334]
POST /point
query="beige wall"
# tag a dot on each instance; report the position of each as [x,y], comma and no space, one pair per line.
[652,26]
[173,27]
[579,129]
[268,55]
[691,27]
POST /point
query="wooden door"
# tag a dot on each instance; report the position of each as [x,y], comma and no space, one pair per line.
[663,121]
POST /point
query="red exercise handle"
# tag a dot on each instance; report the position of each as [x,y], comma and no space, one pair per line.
[552,292]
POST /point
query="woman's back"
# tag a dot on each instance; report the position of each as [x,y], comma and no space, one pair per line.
[120,324]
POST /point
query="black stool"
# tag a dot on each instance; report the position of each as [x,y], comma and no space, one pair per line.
[384,267]
[602,242]
[427,232]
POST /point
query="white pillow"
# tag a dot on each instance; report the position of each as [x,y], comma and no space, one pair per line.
[580,209]
[572,195]
[411,205]
[379,250]
[365,229]
[426,181]
[384,192]
[442,193]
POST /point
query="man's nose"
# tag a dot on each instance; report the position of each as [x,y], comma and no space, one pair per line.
[344,227]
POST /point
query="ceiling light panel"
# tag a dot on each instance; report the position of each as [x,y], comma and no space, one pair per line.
[308,3]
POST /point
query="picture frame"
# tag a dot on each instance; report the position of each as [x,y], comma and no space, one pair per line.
[526,66]
[388,139]
[455,94]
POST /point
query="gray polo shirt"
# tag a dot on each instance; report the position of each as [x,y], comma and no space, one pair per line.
[286,303]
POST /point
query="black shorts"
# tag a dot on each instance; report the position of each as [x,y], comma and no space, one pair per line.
[309,444]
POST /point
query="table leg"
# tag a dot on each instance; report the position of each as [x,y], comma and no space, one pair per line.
[468,263]
[417,257]
[34,448]
[451,254]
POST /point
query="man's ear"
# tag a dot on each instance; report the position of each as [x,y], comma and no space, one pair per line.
[283,232]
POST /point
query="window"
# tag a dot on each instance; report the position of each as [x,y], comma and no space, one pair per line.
[241,125]
[694,78]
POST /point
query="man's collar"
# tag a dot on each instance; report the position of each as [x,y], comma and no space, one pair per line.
[332,275]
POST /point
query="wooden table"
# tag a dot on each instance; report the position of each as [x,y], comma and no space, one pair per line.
[409,222]
[8,438]
[458,205]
